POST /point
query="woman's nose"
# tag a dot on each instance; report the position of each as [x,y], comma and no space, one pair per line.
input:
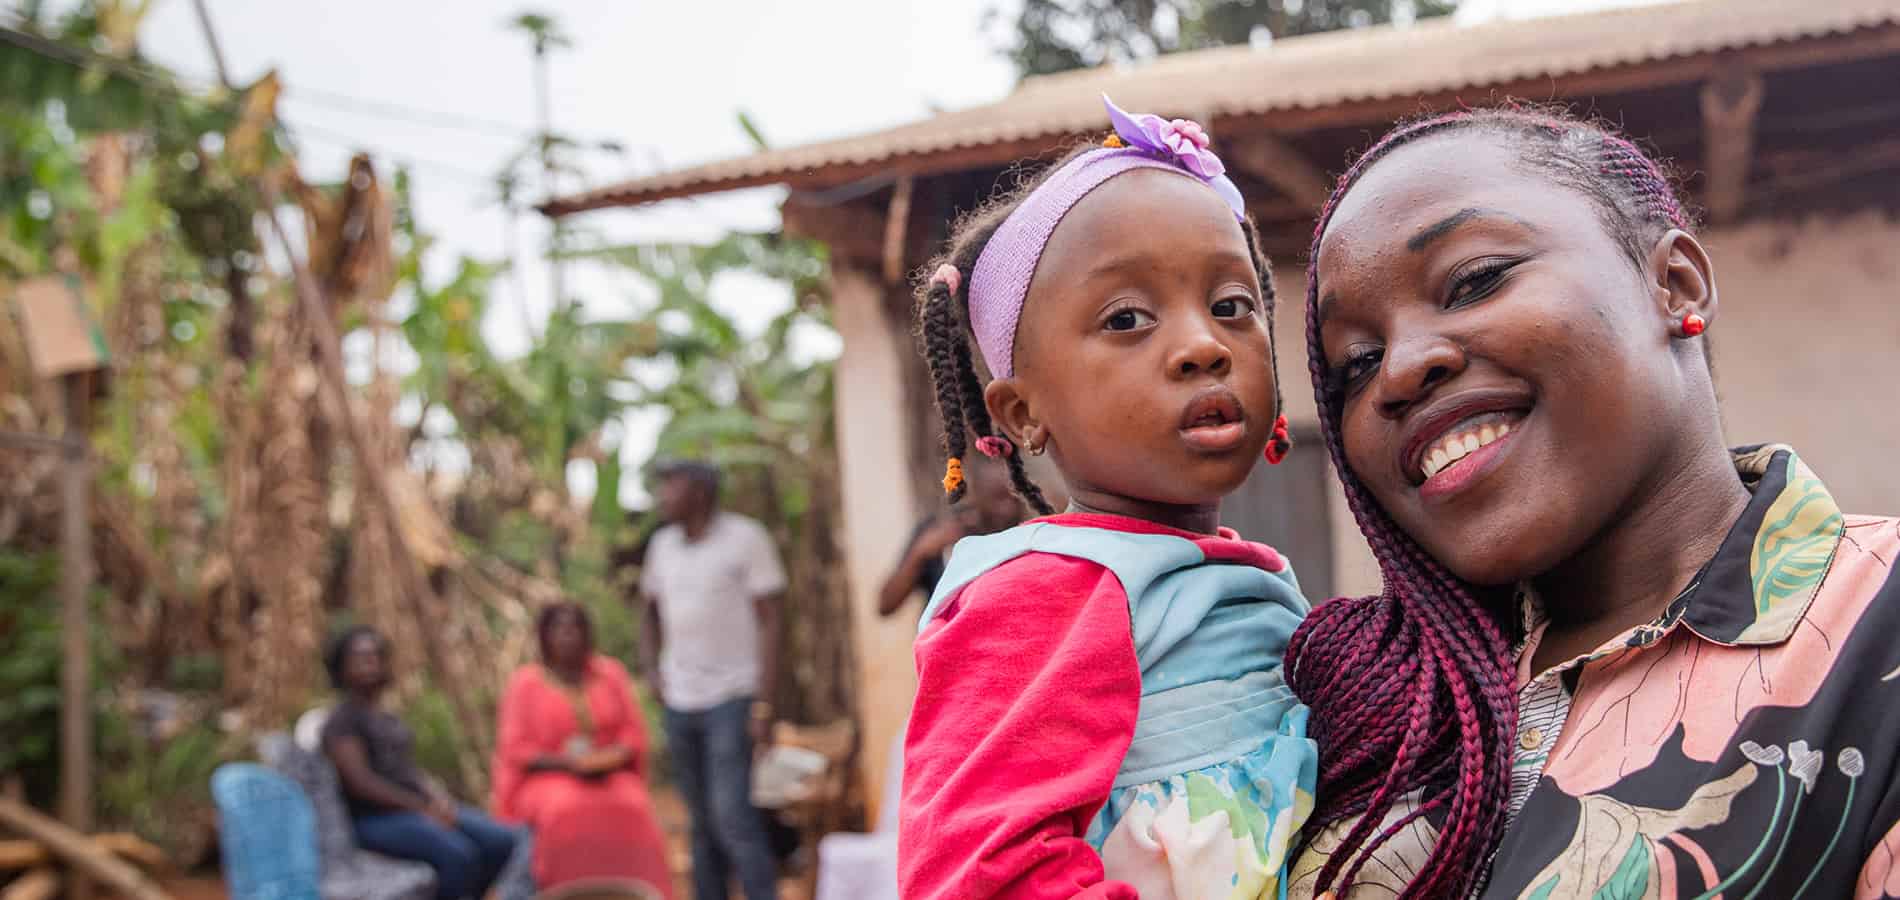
[1413,368]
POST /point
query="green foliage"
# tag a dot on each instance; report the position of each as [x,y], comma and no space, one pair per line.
[29,662]
[154,787]
[1057,35]
[174,249]
[543,32]
[30,653]
[438,737]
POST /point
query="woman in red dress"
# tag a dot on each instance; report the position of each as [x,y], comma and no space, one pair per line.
[570,762]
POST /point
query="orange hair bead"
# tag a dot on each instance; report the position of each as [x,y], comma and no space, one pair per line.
[952,475]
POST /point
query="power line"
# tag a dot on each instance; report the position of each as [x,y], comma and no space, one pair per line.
[419,116]
[414,115]
[348,142]
[170,82]
[297,93]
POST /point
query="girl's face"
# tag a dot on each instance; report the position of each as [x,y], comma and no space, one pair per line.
[1509,377]
[1141,357]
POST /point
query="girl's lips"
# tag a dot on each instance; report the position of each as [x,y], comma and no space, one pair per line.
[1214,421]
[1215,438]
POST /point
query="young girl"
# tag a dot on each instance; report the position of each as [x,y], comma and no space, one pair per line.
[1100,710]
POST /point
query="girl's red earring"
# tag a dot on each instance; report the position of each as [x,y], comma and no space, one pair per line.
[1693,325]
[1279,443]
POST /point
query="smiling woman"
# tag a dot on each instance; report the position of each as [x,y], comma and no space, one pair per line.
[1600,628]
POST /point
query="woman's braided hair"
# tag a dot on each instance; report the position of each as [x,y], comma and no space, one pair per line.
[1413,690]
[943,316]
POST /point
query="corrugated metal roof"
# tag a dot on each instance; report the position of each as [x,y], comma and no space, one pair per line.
[1336,69]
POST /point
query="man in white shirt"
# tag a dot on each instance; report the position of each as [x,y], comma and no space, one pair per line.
[710,585]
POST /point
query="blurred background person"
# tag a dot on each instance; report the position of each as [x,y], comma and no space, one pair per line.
[396,809]
[990,508]
[710,587]
[570,761]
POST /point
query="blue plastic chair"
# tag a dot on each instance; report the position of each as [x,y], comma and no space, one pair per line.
[268,833]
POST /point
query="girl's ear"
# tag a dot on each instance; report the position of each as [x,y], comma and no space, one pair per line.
[1681,279]
[1009,411]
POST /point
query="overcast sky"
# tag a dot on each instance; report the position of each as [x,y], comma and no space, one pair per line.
[664,79]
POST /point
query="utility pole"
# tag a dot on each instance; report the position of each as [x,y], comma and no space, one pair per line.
[544,35]
[544,127]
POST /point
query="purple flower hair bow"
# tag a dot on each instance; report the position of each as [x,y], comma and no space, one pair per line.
[1181,141]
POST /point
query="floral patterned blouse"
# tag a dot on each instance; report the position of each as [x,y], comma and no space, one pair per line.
[1746,744]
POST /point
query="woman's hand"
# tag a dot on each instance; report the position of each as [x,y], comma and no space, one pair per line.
[443,811]
[442,806]
[551,762]
[598,762]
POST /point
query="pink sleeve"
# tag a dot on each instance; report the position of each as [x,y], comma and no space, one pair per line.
[1026,703]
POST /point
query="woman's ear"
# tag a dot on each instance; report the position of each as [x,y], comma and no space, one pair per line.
[1010,411]
[1682,279]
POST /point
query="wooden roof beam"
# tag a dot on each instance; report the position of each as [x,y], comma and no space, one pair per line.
[1274,161]
[896,223]
[1731,103]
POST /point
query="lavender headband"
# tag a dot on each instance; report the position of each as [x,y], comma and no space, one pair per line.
[1000,279]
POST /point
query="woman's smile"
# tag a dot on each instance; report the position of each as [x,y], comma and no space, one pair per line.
[1456,441]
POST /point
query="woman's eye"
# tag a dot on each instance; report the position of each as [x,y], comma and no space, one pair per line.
[1478,284]
[1233,308]
[1353,372]
[1128,320]
[1363,364]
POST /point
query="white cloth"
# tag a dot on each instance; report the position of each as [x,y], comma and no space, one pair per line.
[864,866]
[308,732]
[709,652]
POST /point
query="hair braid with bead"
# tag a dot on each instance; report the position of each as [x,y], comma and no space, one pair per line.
[1412,691]
[943,324]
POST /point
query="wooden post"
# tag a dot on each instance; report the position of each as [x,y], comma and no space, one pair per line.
[75,580]
[1277,163]
[1731,102]
[896,224]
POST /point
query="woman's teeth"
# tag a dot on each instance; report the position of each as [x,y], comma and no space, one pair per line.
[1456,445]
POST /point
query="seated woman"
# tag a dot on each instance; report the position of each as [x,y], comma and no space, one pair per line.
[396,809]
[570,761]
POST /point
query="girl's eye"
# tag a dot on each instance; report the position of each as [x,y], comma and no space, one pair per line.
[1479,283]
[1128,320]
[1233,307]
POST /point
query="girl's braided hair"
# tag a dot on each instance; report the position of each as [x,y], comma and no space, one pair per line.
[1413,690]
[943,317]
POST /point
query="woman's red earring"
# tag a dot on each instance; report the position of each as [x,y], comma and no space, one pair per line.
[1693,325]
[1279,443]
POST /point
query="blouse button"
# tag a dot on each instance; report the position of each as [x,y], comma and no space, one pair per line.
[1531,739]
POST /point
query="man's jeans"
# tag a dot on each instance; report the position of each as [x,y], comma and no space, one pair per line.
[712,752]
[465,858]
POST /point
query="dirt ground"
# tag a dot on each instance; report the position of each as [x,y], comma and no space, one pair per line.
[667,805]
